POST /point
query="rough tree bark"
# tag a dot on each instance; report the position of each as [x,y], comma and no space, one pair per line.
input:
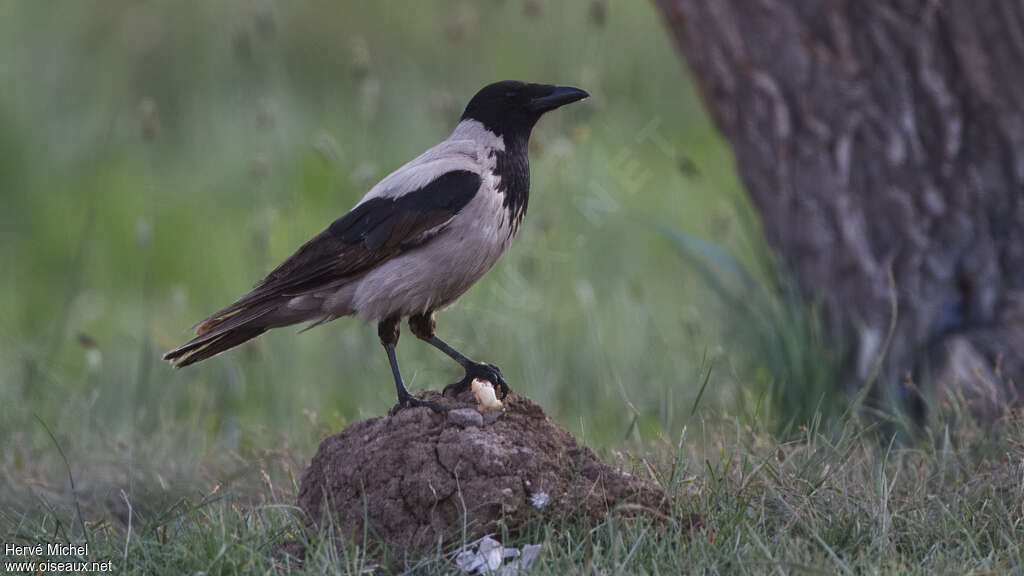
[883,134]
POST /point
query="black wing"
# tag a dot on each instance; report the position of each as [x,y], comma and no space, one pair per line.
[371,233]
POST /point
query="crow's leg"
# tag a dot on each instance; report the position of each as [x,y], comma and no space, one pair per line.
[388,331]
[423,325]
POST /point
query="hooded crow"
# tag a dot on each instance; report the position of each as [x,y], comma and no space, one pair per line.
[413,245]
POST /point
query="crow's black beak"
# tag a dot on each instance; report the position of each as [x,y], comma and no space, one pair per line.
[560,97]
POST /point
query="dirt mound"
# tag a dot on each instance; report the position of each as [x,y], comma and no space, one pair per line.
[419,475]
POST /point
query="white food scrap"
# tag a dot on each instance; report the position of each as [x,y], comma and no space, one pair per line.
[484,392]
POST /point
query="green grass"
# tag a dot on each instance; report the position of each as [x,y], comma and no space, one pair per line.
[156,159]
[850,501]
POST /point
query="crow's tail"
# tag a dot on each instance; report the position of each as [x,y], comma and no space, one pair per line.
[223,331]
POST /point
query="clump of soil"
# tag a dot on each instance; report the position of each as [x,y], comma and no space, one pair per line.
[419,476]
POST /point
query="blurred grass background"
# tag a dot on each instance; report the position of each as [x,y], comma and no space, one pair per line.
[156,159]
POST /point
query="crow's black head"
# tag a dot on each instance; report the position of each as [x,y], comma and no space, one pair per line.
[514,107]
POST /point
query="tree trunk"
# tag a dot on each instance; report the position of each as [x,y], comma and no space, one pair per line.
[877,136]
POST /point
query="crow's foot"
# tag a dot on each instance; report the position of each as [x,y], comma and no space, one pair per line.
[411,401]
[480,370]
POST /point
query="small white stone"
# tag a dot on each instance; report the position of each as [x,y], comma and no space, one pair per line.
[539,500]
[490,557]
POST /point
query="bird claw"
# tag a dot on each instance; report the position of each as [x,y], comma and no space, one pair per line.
[456,388]
[480,370]
[413,402]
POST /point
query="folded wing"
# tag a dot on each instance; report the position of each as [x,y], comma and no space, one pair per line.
[376,230]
